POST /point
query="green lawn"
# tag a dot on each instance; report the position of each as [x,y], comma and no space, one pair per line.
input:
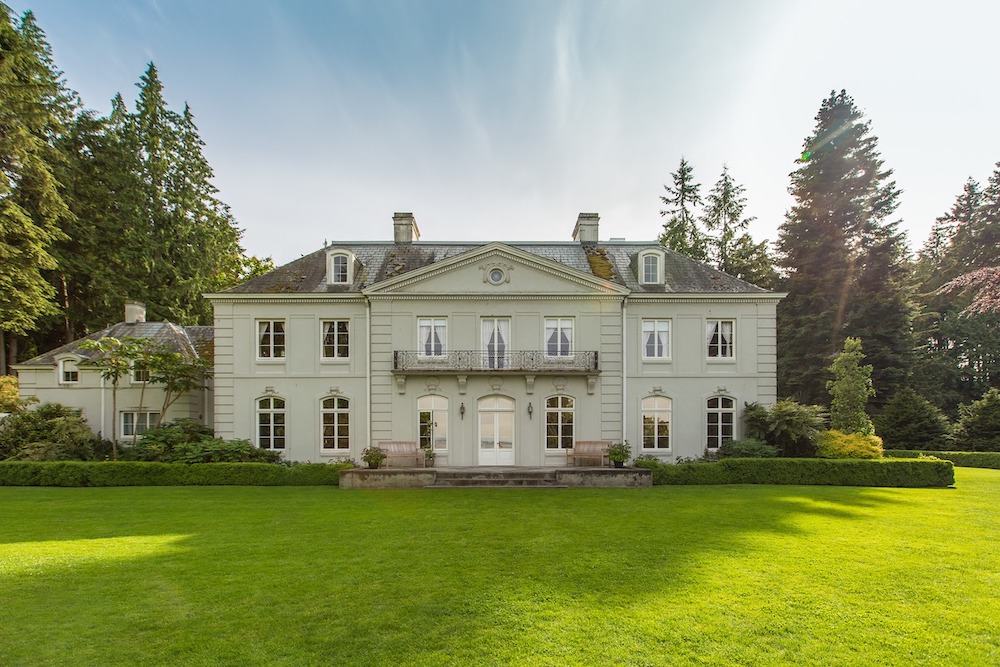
[734,575]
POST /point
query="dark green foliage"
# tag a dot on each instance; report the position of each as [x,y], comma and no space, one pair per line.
[960,459]
[47,423]
[909,421]
[817,472]
[851,387]
[844,259]
[142,473]
[747,448]
[680,231]
[978,428]
[187,441]
[789,425]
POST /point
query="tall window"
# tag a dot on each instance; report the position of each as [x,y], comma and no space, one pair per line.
[271,423]
[335,415]
[656,339]
[651,269]
[137,423]
[338,269]
[559,422]
[721,341]
[69,372]
[270,339]
[432,423]
[496,342]
[721,412]
[432,336]
[558,337]
[656,422]
[335,339]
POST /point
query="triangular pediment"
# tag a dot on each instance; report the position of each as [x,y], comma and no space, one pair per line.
[496,269]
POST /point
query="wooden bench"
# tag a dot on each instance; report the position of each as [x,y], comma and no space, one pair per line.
[593,450]
[402,450]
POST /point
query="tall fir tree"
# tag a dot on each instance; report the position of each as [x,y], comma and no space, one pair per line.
[680,231]
[843,199]
[34,107]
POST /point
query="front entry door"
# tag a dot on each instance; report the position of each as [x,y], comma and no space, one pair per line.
[496,431]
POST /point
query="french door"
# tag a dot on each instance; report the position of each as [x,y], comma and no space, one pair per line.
[496,342]
[496,431]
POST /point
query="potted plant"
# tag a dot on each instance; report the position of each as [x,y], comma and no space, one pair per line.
[373,456]
[429,456]
[619,453]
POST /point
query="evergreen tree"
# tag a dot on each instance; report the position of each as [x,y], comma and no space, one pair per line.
[680,231]
[909,421]
[835,246]
[34,105]
[733,250]
[851,387]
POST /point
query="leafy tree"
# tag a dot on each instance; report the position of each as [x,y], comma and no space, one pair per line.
[680,231]
[983,285]
[910,421]
[117,356]
[178,374]
[851,387]
[34,106]
[978,428]
[843,259]
[732,248]
[10,399]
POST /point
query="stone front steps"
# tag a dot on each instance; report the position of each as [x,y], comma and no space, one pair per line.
[495,477]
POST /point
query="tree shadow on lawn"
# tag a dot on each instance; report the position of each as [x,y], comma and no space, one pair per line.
[274,575]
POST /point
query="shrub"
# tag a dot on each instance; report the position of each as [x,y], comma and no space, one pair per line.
[747,448]
[187,441]
[835,444]
[53,451]
[910,421]
[789,425]
[978,427]
[825,472]
[10,399]
[47,423]
[144,473]
[960,459]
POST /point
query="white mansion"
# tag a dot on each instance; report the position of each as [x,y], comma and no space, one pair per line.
[490,353]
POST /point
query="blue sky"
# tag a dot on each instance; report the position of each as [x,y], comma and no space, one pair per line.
[503,120]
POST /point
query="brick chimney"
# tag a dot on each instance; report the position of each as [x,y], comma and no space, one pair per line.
[586,228]
[135,311]
[404,228]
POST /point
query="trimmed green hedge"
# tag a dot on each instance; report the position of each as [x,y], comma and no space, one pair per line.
[828,472]
[144,473]
[960,459]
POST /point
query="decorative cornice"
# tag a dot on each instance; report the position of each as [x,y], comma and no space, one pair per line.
[723,297]
[393,296]
[286,297]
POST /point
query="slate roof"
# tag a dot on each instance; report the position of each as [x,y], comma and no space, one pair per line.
[192,342]
[378,261]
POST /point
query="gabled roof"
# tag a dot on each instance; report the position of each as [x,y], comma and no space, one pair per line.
[605,260]
[191,342]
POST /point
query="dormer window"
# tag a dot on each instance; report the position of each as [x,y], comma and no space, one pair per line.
[340,268]
[651,268]
[69,372]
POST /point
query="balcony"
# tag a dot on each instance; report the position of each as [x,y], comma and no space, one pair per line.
[408,362]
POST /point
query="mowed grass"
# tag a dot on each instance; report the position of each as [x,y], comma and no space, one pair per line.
[737,575]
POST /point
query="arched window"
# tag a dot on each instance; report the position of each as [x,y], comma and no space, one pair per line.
[340,267]
[651,268]
[656,422]
[432,422]
[720,413]
[559,419]
[271,422]
[336,423]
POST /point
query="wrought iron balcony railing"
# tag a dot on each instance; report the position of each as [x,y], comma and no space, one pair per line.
[472,361]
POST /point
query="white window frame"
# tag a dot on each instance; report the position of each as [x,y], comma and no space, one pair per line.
[555,415]
[337,344]
[134,375]
[435,326]
[344,277]
[340,416]
[437,407]
[720,437]
[65,370]
[141,421]
[652,326]
[270,345]
[643,411]
[643,275]
[271,412]
[715,327]
[560,327]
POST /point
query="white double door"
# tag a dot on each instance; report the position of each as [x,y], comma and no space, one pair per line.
[496,431]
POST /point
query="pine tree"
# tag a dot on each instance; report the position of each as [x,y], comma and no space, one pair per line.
[34,105]
[843,198]
[680,231]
